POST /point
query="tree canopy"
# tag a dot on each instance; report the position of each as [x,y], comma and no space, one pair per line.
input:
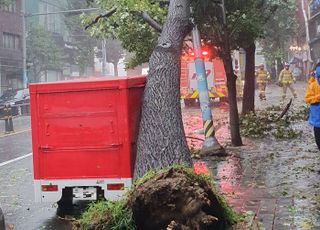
[126,25]
[5,2]
[83,44]
[42,52]
[246,21]
[278,31]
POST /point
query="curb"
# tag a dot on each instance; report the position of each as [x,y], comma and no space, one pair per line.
[14,133]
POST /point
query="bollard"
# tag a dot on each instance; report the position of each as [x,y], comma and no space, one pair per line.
[28,109]
[6,119]
[19,110]
[10,120]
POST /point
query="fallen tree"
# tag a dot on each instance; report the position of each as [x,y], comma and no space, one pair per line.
[174,198]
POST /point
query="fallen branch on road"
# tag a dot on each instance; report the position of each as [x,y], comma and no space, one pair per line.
[286,109]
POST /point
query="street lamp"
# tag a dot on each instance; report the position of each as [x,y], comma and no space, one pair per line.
[24,46]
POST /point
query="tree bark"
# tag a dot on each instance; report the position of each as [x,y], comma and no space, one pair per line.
[279,66]
[249,81]
[115,69]
[161,139]
[232,93]
[273,71]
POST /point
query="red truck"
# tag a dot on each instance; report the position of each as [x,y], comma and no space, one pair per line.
[83,137]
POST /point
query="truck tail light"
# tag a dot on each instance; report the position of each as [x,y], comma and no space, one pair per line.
[49,188]
[119,186]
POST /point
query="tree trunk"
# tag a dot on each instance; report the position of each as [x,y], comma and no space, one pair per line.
[249,80]
[273,71]
[279,66]
[161,139]
[232,96]
[115,69]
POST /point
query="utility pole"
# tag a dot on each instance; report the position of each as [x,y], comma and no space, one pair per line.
[211,145]
[24,45]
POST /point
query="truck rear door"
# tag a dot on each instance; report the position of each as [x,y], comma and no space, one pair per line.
[79,135]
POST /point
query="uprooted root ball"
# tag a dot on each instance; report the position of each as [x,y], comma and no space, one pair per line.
[178,199]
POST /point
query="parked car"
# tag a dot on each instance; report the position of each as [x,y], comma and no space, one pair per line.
[6,96]
[14,97]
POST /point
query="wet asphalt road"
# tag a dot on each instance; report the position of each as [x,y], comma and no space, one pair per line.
[16,180]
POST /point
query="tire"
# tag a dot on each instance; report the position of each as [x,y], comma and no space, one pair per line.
[2,224]
[65,205]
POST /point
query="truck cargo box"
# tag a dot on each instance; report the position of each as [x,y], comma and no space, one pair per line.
[83,136]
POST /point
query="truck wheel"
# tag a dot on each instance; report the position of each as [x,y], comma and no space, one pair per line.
[2,224]
[65,203]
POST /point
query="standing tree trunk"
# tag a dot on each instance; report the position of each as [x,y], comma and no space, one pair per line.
[115,69]
[249,80]
[161,139]
[232,94]
[273,71]
[279,66]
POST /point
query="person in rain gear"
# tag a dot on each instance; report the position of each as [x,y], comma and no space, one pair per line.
[312,97]
[262,77]
[286,79]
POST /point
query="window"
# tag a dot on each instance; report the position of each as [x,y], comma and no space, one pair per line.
[12,7]
[11,41]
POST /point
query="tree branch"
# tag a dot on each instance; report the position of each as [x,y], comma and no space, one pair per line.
[148,19]
[144,15]
[96,20]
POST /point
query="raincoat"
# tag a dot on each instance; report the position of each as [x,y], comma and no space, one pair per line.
[312,97]
[262,76]
[286,77]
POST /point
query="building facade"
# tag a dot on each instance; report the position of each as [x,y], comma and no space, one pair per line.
[314,29]
[11,46]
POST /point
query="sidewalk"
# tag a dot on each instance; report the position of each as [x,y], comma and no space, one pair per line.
[274,183]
